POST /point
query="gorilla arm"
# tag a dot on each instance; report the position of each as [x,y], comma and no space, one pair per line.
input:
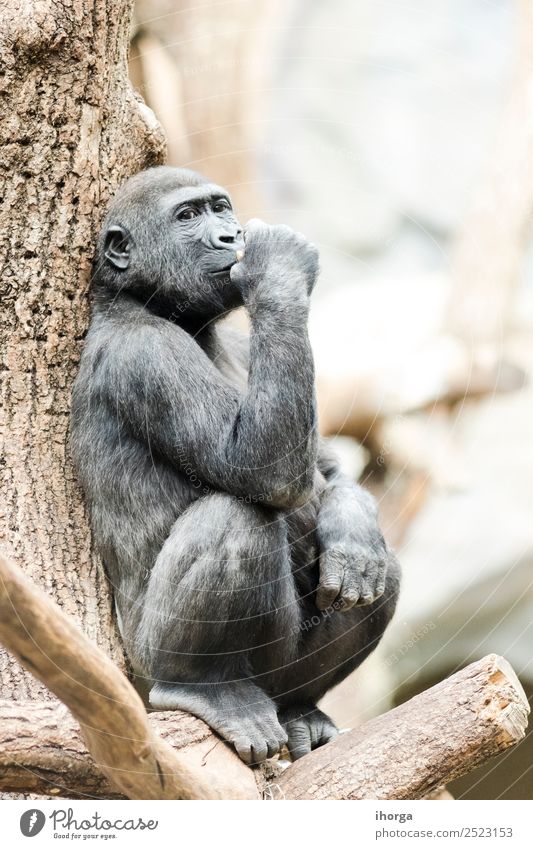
[353,553]
[260,443]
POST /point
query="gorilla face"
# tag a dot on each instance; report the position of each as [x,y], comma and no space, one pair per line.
[203,218]
[171,238]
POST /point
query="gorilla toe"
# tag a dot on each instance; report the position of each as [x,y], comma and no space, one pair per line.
[307,728]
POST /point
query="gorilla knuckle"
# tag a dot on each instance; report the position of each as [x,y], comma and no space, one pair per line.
[254,225]
[330,585]
[349,599]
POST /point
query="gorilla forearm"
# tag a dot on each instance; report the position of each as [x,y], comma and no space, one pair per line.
[345,507]
[277,420]
[260,443]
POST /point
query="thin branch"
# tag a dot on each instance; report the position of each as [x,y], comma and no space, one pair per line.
[137,762]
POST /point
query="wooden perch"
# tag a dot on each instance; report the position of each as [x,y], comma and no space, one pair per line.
[404,754]
[137,762]
[43,751]
[433,738]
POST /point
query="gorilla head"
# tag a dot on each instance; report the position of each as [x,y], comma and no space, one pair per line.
[170,238]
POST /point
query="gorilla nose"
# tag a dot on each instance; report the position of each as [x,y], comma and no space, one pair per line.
[230,240]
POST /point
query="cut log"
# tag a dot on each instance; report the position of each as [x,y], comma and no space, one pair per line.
[433,738]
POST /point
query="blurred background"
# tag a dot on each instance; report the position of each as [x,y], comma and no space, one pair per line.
[399,138]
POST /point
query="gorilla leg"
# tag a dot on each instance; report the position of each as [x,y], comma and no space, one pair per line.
[221,604]
[332,644]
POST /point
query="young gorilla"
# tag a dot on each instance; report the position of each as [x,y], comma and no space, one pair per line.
[250,575]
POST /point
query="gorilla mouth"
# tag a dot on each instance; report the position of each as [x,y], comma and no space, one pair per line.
[223,272]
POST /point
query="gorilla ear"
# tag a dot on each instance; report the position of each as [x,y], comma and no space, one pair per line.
[117,246]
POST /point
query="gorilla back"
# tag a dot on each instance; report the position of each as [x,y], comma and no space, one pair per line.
[249,573]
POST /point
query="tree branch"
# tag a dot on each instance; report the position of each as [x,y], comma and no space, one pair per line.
[42,751]
[407,753]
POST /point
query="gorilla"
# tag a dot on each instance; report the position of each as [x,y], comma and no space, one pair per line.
[250,575]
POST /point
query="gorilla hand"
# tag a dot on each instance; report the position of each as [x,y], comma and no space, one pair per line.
[351,573]
[277,262]
[353,553]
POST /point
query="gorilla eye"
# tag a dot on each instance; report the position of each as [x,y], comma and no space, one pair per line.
[187,214]
[221,206]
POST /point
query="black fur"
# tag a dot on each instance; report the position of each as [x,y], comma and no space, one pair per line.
[250,576]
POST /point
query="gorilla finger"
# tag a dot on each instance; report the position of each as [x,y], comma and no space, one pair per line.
[329,732]
[253,226]
[285,231]
[368,596]
[273,747]
[299,743]
[352,586]
[243,748]
[381,579]
[326,594]
[349,598]
[369,591]
[301,238]
[259,752]
[331,574]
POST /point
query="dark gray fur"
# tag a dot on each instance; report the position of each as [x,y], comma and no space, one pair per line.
[250,575]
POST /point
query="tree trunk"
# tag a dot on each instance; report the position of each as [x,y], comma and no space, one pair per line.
[71,131]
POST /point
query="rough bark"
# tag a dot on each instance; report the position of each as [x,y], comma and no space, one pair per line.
[408,752]
[71,129]
[42,751]
[138,762]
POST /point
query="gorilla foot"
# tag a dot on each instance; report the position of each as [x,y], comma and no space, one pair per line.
[240,712]
[307,728]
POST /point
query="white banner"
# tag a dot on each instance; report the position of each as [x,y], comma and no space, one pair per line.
[260,825]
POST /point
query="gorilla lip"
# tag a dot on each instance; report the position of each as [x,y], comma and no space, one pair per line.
[239,255]
[223,272]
